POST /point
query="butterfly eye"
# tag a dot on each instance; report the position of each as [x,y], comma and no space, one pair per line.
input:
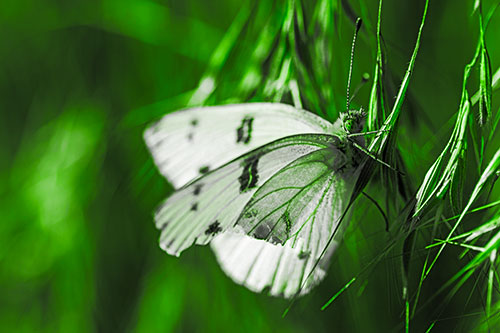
[353,121]
[349,125]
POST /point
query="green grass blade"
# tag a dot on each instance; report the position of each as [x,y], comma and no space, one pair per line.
[488,174]
[491,271]
[485,81]
[338,294]
[376,108]
[443,171]
[380,142]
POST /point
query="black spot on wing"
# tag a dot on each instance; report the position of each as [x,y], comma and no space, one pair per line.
[194,122]
[244,132]
[190,136]
[204,169]
[249,177]
[194,207]
[303,254]
[197,189]
[262,231]
[213,229]
[250,213]
[288,223]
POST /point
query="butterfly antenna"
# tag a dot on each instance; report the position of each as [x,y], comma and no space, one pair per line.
[358,26]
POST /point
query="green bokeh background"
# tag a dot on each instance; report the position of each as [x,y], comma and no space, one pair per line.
[79,81]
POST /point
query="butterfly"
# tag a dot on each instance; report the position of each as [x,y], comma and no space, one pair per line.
[265,184]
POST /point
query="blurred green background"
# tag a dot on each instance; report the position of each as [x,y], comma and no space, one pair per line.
[80,80]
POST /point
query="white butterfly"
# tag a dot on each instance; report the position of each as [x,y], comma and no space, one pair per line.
[265,184]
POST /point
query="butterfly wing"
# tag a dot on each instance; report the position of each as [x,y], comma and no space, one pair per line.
[265,267]
[185,144]
[212,204]
[291,219]
[189,143]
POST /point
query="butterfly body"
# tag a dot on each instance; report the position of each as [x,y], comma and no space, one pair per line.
[265,184]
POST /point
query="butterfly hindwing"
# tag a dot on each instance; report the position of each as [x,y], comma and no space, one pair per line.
[279,270]
[212,204]
[291,218]
[272,212]
[187,144]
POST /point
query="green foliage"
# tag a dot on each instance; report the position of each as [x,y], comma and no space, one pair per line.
[78,248]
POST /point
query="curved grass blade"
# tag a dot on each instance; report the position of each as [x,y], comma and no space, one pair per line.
[485,81]
[488,175]
[376,107]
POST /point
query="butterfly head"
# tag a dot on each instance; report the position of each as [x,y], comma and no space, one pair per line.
[353,121]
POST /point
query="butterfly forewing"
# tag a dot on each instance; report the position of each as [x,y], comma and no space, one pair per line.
[212,204]
[189,143]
